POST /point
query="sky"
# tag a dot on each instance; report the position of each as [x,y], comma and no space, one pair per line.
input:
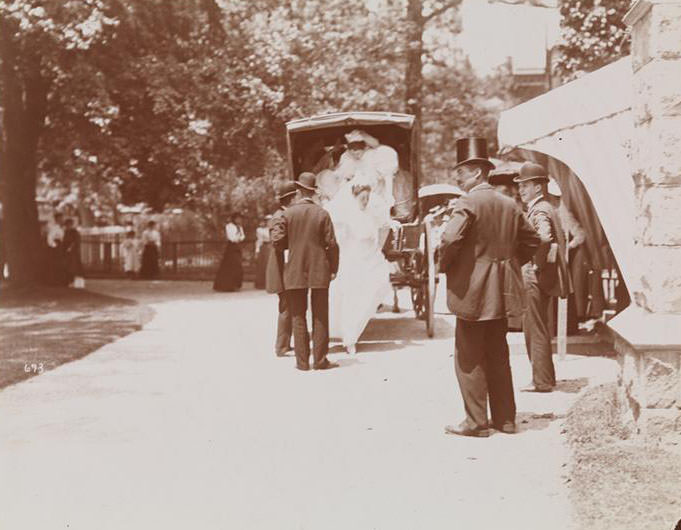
[493,31]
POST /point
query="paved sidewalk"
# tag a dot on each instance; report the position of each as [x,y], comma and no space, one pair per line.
[193,423]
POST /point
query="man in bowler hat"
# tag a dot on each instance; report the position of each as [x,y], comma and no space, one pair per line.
[274,273]
[482,248]
[545,277]
[306,230]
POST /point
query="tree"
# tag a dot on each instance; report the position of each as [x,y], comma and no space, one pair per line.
[594,35]
[416,21]
[36,42]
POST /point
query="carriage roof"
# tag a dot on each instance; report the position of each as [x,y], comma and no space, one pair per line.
[352,119]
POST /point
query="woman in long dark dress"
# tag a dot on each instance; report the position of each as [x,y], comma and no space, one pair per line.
[71,246]
[262,252]
[230,273]
[151,244]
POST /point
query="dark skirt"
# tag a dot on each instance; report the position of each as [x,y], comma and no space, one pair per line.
[230,273]
[261,265]
[57,272]
[149,268]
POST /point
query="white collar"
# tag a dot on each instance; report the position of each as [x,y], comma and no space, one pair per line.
[534,201]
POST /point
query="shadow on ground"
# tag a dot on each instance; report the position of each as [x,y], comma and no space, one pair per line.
[44,327]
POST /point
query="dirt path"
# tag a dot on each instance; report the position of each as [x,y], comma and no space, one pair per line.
[193,423]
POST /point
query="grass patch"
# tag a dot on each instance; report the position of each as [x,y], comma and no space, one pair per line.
[617,482]
[43,327]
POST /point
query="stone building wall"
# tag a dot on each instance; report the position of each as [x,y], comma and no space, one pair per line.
[648,335]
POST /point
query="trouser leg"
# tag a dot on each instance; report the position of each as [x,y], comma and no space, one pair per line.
[470,371]
[283,343]
[499,378]
[320,325]
[297,303]
[538,338]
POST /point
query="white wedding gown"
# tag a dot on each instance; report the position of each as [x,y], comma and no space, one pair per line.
[363,279]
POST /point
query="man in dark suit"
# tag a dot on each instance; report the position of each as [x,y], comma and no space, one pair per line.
[545,277]
[274,273]
[482,248]
[306,230]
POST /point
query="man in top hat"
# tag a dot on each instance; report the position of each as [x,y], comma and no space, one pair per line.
[483,245]
[274,273]
[545,277]
[306,230]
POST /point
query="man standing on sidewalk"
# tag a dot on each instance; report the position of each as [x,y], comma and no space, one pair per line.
[483,246]
[545,277]
[274,273]
[307,232]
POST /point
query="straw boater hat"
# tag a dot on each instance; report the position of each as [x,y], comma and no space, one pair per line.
[285,190]
[472,150]
[531,171]
[307,181]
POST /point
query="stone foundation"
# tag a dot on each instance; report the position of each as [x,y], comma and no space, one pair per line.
[649,348]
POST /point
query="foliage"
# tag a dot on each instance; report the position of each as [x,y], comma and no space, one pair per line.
[183,103]
[593,34]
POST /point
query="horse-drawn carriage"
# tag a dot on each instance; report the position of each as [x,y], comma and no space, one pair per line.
[317,143]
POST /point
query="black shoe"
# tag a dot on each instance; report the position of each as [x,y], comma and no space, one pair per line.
[534,388]
[464,430]
[327,365]
[508,427]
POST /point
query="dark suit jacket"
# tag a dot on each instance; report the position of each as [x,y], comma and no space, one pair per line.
[553,278]
[274,272]
[307,231]
[482,248]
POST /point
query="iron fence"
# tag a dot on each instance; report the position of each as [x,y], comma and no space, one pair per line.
[102,257]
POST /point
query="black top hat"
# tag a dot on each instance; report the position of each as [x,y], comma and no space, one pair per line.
[502,176]
[286,189]
[472,150]
[307,181]
[531,171]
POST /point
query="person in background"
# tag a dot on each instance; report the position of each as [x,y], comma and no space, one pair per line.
[229,276]
[483,245]
[274,278]
[151,246]
[502,181]
[262,251]
[71,246]
[580,264]
[58,272]
[130,253]
[547,276]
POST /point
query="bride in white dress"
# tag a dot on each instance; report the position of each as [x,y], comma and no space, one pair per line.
[363,279]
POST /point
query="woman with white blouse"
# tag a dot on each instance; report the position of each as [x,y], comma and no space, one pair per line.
[151,248]
[230,273]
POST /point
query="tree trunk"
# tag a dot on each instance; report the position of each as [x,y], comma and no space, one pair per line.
[413,78]
[24,103]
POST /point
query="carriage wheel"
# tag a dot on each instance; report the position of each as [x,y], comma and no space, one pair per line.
[429,284]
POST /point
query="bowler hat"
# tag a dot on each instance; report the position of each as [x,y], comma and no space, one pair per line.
[472,150]
[285,189]
[307,181]
[531,171]
[502,176]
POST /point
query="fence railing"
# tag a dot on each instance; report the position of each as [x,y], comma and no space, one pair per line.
[177,259]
